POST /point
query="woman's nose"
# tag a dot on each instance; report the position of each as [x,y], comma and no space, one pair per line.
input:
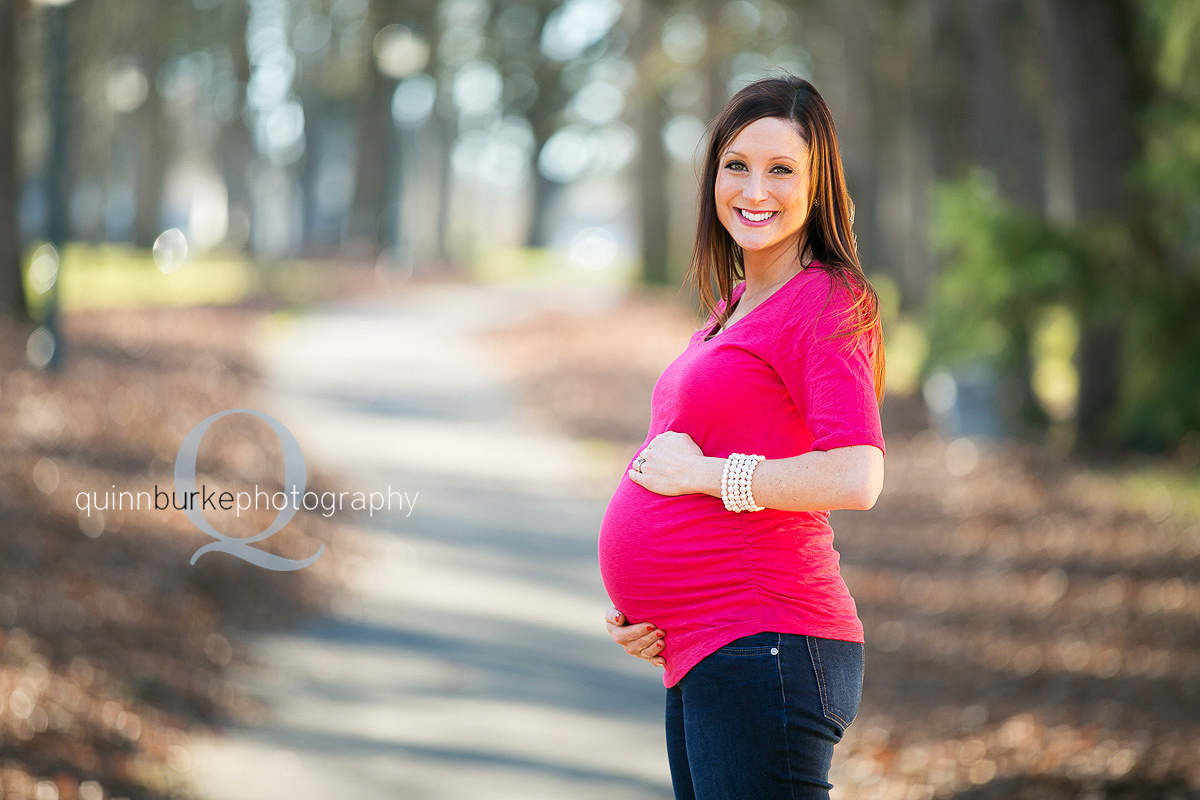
[754,188]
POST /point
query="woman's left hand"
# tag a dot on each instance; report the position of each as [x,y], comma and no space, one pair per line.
[671,463]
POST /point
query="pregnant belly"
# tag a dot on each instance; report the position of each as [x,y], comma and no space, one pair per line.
[672,560]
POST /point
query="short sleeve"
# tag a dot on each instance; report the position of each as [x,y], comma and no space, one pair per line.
[829,376]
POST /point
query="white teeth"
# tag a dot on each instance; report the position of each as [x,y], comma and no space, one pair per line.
[759,217]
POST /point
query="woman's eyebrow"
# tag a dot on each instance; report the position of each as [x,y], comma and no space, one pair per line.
[729,153]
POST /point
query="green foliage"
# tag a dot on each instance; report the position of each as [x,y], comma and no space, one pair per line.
[1002,269]
[1160,402]
[1160,393]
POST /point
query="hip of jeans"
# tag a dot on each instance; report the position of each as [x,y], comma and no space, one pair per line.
[813,674]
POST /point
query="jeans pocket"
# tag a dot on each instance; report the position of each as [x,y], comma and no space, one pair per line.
[839,670]
[759,644]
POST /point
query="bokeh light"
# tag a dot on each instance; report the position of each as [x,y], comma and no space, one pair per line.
[940,392]
[598,102]
[45,475]
[399,52]
[593,249]
[43,268]
[413,100]
[684,38]
[567,154]
[311,35]
[280,133]
[127,87]
[682,136]
[170,250]
[576,25]
[613,147]
[961,457]
[39,348]
[477,88]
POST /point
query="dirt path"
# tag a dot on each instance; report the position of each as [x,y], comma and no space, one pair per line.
[468,658]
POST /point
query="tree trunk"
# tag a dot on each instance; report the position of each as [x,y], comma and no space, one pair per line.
[545,195]
[856,123]
[1098,362]
[716,87]
[236,149]
[652,192]
[447,133]
[1089,52]
[544,117]
[652,158]
[310,172]
[369,171]
[918,266]
[374,136]
[12,290]
[152,157]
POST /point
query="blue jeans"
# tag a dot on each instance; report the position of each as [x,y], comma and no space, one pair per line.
[758,718]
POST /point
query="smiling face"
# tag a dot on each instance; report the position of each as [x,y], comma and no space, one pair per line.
[762,186]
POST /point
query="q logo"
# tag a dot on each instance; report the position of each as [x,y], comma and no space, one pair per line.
[293,479]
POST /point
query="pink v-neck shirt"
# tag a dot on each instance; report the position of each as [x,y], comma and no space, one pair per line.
[777,383]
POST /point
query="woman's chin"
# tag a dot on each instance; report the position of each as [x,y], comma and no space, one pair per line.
[753,245]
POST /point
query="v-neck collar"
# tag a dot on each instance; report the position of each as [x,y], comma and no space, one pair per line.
[740,290]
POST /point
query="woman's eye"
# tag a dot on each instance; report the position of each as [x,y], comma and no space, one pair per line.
[740,166]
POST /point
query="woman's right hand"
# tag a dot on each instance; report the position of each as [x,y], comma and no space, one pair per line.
[644,640]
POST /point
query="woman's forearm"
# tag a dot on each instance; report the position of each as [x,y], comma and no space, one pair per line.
[822,480]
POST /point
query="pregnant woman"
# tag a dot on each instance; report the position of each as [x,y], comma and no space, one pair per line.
[716,549]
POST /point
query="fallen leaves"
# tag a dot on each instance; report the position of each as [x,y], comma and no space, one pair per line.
[112,645]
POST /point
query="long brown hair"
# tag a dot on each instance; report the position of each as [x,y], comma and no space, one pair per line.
[828,233]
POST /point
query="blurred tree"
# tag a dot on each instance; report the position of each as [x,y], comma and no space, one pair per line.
[151,132]
[1159,402]
[548,61]
[235,147]
[649,107]
[1117,187]
[1090,56]
[12,291]
[374,129]
[533,89]
[859,124]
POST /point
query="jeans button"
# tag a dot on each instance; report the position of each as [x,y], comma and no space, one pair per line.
[774,651]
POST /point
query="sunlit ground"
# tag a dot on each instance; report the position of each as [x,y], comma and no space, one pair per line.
[120,276]
[115,276]
[589,261]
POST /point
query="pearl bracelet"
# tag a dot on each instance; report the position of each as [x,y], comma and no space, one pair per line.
[736,478]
